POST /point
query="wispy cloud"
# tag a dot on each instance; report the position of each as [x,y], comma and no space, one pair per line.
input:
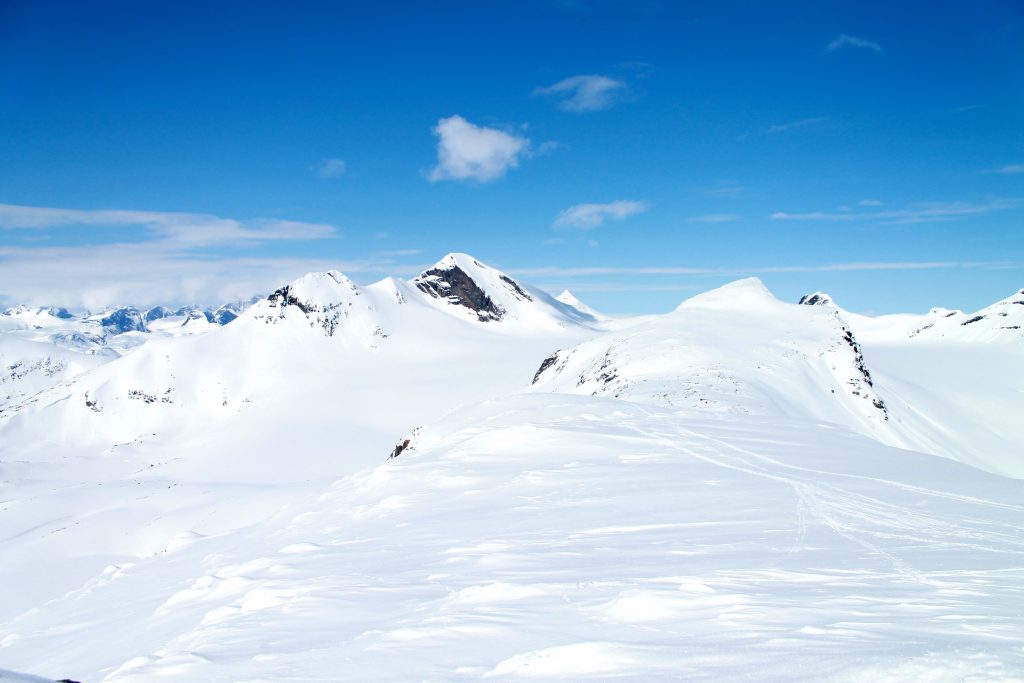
[474,153]
[802,123]
[144,257]
[172,229]
[589,92]
[1009,169]
[330,168]
[931,212]
[722,189]
[587,216]
[870,202]
[554,271]
[843,41]
[716,218]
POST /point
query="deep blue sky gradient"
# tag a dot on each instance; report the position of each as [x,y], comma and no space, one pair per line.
[226,109]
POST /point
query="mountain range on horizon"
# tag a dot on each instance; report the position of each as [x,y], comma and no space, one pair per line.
[149,466]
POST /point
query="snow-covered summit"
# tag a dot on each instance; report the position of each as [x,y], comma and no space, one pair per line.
[474,289]
[570,299]
[748,293]
[734,350]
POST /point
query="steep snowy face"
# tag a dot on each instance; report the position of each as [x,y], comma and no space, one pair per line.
[734,350]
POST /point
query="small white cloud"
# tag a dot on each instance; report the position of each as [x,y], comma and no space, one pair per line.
[469,152]
[1009,169]
[722,189]
[869,202]
[716,218]
[844,40]
[587,216]
[330,168]
[584,93]
[548,147]
[780,127]
[924,212]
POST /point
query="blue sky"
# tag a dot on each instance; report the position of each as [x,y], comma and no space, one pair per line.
[635,152]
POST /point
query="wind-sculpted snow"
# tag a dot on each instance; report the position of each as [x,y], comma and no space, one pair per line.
[328,489]
[560,537]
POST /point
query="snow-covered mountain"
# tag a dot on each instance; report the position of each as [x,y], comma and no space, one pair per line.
[706,493]
[734,350]
[1002,322]
[738,350]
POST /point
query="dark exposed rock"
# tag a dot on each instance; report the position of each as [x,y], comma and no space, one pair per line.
[59,312]
[455,286]
[399,447]
[156,313]
[545,364]
[516,288]
[222,316]
[815,299]
[283,297]
[406,444]
[124,320]
[973,320]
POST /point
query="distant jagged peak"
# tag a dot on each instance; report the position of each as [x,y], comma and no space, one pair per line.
[567,297]
[816,299]
[570,299]
[749,292]
[121,320]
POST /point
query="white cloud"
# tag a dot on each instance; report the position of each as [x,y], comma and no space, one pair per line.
[589,92]
[587,216]
[844,40]
[153,257]
[928,212]
[179,229]
[330,168]
[99,276]
[1009,169]
[554,271]
[469,152]
[780,127]
[869,202]
[716,218]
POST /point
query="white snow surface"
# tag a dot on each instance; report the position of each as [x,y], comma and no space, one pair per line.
[219,507]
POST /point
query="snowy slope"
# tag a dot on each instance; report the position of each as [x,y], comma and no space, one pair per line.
[558,537]
[735,350]
[319,380]
[1002,322]
[953,382]
[219,507]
